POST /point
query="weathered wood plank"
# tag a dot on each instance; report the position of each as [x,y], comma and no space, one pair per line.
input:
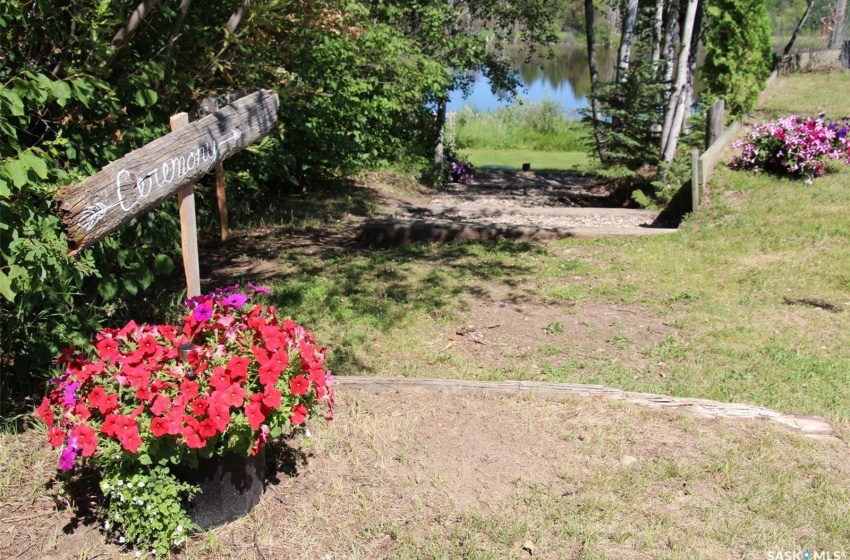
[142,179]
[188,226]
[714,122]
[811,426]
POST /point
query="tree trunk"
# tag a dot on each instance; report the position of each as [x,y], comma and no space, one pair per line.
[596,110]
[692,68]
[837,38]
[627,31]
[237,16]
[123,35]
[178,24]
[676,107]
[657,29]
[668,49]
[800,24]
[439,160]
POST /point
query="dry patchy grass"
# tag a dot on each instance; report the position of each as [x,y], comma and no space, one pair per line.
[421,475]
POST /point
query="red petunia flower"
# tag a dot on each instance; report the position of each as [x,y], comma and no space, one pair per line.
[86,438]
[159,427]
[256,412]
[45,412]
[219,414]
[233,395]
[189,389]
[199,406]
[174,419]
[107,349]
[191,433]
[271,398]
[220,379]
[56,436]
[207,428]
[161,405]
[317,377]
[299,414]
[238,366]
[148,346]
[82,411]
[298,385]
[126,431]
[105,402]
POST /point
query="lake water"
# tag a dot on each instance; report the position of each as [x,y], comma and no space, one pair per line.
[564,78]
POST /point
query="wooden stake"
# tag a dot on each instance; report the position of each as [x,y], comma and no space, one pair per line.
[188,228]
[694,180]
[714,122]
[221,197]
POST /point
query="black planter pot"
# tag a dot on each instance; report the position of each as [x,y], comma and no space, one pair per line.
[230,487]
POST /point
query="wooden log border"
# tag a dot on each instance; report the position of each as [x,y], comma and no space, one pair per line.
[814,427]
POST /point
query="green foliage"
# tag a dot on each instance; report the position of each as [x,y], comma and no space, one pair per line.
[541,126]
[631,121]
[145,506]
[356,80]
[738,56]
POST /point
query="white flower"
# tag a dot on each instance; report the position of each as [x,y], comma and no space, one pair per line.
[179,529]
[129,485]
[121,539]
[120,482]
[106,525]
[105,486]
[141,484]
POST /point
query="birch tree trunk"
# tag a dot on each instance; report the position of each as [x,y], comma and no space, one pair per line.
[692,68]
[668,48]
[137,16]
[439,149]
[657,29]
[596,110]
[837,38]
[676,107]
[628,29]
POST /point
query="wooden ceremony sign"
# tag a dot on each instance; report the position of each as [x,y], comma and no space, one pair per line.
[142,179]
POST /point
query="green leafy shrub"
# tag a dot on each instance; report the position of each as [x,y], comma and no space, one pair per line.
[738,56]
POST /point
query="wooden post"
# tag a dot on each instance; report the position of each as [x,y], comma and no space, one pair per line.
[694,180]
[221,198]
[714,122]
[188,228]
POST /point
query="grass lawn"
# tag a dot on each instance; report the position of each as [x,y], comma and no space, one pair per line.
[513,159]
[706,312]
[716,290]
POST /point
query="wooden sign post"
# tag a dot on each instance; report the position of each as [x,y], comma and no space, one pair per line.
[142,179]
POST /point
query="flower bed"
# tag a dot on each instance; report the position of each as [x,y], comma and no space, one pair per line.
[794,146]
[134,407]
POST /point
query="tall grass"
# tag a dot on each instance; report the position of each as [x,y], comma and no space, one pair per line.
[542,126]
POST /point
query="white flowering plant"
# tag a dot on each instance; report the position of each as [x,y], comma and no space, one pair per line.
[145,507]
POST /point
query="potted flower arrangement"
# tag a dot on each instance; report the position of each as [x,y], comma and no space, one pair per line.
[149,402]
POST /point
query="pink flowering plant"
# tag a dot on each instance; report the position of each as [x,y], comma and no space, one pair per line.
[794,146]
[147,397]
